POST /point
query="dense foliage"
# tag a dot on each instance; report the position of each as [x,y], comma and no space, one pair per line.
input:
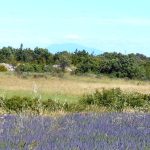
[113,64]
[117,100]
[77,131]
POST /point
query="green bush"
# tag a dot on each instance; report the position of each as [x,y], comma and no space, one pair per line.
[25,68]
[3,68]
[18,104]
[136,100]
[115,99]
[13,104]
[51,105]
[31,68]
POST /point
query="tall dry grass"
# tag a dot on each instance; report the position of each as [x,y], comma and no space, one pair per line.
[71,86]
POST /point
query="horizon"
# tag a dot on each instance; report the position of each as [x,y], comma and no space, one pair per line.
[87,49]
[111,25]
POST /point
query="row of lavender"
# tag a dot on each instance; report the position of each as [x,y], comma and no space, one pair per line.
[106,131]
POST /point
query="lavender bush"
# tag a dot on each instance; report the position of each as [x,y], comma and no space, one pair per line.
[107,131]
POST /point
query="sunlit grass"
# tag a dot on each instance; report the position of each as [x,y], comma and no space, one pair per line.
[69,88]
[61,97]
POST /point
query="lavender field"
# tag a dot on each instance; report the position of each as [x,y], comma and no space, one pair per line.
[84,131]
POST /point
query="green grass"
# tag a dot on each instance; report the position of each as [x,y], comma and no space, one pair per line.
[61,97]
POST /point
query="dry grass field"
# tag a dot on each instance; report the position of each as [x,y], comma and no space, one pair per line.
[68,88]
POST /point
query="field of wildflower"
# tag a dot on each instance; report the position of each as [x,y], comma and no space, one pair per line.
[77,131]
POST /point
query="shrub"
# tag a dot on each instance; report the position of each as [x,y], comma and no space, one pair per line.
[13,104]
[87,100]
[115,99]
[30,68]
[25,68]
[56,72]
[48,68]
[107,98]
[3,68]
[136,100]
[18,104]
[51,105]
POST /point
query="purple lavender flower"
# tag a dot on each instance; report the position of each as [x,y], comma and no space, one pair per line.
[76,131]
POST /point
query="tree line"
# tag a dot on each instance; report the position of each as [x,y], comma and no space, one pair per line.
[132,66]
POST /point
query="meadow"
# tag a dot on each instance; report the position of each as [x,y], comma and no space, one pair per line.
[67,88]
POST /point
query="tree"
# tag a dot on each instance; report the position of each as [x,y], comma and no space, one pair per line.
[63,59]
[121,66]
[21,46]
[41,55]
[6,55]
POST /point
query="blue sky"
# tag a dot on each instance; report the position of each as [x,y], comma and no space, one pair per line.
[108,25]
